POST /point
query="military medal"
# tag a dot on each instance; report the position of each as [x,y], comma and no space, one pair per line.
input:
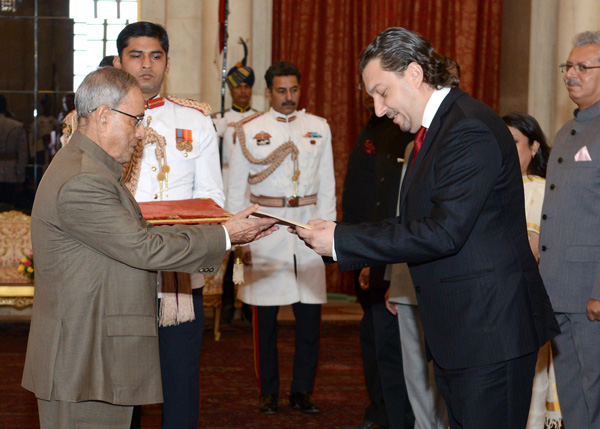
[263,138]
[183,139]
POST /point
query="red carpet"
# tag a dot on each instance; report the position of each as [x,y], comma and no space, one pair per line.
[229,392]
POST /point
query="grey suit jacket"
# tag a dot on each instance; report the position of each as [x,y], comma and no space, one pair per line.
[570,229]
[94,325]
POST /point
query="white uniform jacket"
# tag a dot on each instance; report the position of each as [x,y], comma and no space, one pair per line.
[272,279]
[193,174]
[226,129]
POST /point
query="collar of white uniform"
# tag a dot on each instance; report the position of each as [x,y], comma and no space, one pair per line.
[240,109]
[280,117]
[155,102]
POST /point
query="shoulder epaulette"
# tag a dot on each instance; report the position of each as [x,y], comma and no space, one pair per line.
[190,102]
[247,119]
[239,126]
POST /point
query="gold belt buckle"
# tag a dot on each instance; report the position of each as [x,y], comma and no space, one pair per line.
[293,201]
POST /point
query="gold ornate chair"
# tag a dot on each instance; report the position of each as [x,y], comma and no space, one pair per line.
[15,243]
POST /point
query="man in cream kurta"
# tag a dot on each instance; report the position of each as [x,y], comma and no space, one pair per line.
[298,184]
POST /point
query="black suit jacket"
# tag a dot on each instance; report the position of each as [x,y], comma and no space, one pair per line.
[462,230]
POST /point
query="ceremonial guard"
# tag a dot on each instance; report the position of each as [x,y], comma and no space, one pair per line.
[285,156]
[240,80]
[178,159]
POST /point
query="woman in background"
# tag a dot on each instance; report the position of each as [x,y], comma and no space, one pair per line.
[533,157]
[533,150]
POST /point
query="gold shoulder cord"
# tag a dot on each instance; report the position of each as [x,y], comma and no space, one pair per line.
[275,158]
[131,170]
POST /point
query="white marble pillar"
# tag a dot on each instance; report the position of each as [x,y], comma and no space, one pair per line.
[182,19]
[543,64]
[184,24]
[152,11]
[262,30]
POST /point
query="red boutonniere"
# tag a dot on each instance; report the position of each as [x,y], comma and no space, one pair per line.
[369,147]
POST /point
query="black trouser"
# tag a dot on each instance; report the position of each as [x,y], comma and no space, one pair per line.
[306,354]
[180,368]
[382,361]
[488,396]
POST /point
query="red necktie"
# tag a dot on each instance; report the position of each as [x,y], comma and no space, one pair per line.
[419,137]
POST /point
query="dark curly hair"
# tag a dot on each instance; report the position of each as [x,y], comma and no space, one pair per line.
[531,129]
[397,47]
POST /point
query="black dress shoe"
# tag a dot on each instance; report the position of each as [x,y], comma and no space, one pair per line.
[364,425]
[268,404]
[303,402]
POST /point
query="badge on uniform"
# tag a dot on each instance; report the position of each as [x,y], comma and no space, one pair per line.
[312,135]
[262,138]
[183,139]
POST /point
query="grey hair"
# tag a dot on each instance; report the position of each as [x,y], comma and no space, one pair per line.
[586,38]
[106,85]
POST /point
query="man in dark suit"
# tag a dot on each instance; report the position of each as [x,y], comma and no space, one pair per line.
[374,170]
[461,228]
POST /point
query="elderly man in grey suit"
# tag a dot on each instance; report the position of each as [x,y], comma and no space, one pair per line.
[570,239]
[93,350]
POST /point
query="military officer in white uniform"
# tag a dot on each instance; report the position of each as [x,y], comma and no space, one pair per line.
[286,157]
[192,153]
[178,159]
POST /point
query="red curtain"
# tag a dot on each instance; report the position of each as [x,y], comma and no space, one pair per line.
[325,38]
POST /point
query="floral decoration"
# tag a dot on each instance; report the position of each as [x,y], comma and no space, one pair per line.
[26,266]
[369,147]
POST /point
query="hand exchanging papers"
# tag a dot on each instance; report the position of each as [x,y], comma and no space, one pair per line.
[319,238]
[242,230]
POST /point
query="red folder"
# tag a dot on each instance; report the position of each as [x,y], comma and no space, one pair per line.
[196,210]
